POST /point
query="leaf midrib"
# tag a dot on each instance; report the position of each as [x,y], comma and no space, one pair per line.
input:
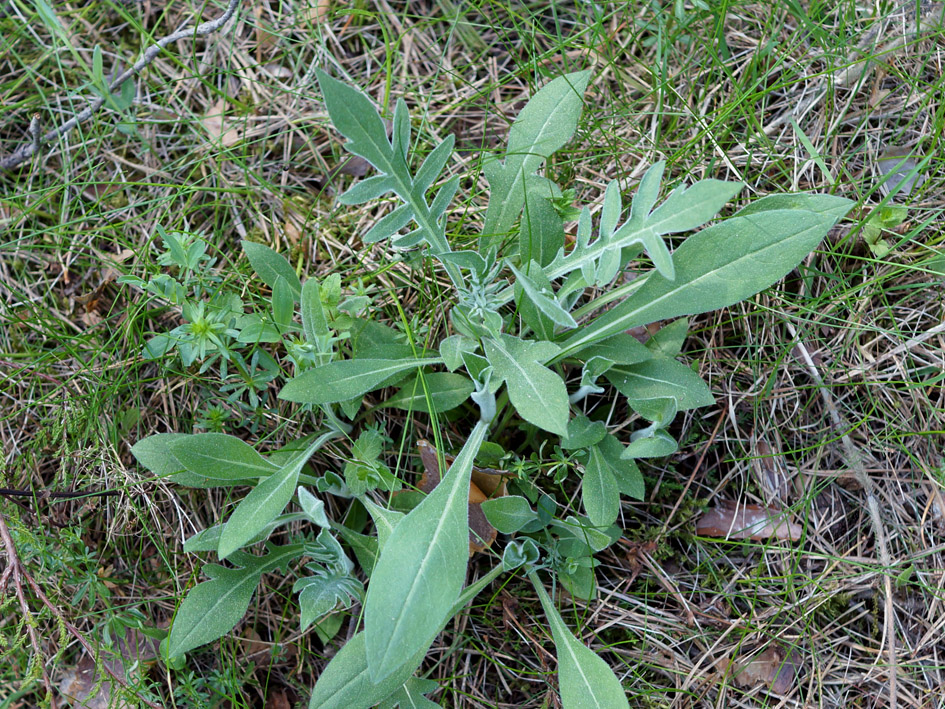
[620,323]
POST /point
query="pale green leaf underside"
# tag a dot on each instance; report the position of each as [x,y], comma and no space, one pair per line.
[717,267]
[538,394]
[347,379]
[219,457]
[421,570]
[661,378]
[584,679]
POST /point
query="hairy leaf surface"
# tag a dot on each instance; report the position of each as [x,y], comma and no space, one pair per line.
[717,267]
[584,679]
[214,607]
[420,572]
[545,124]
[347,379]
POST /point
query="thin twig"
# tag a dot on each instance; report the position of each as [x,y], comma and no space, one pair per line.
[25,152]
[48,378]
[895,352]
[51,494]
[854,461]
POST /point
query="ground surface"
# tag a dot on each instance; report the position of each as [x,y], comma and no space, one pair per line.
[838,370]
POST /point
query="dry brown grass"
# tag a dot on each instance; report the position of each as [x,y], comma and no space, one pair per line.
[235,142]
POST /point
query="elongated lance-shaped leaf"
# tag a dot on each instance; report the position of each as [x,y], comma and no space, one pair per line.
[543,300]
[266,501]
[346,682]
[584,679]
[436,392]
[420,572]
[347,379]
[545,124]
[717,267]
[214,607]
[271,266]
[220,457]
[599,491]
[356,119]
[209,539]
[314,322]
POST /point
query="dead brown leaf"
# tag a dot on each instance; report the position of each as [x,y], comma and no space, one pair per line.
[774,667]
[645,332]
[213,123]
[277,699]
[734,521]
[486,484]
[278,71]
[315,11]
[89,689]
[266,40]
[97,302]
[636,555]
[895,167]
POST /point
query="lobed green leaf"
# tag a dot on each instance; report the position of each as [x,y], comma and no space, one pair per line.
[545,124]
